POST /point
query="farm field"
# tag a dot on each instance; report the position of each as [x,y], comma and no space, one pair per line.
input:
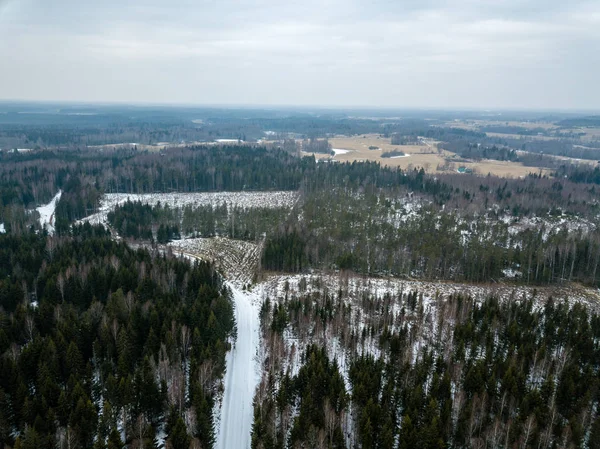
[424,156]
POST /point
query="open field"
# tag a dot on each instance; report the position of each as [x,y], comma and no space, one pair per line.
[426,156]
[423,155]
[504,169]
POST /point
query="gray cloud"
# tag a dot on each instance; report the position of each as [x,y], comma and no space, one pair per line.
[493,54]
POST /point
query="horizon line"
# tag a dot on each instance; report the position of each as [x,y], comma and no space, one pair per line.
[280,106]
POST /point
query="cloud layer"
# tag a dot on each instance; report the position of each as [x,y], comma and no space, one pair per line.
[466,53]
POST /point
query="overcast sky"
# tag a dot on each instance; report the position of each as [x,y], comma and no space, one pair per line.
[533,54]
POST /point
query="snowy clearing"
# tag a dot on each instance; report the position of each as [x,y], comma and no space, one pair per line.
[2,229]
[269,200]
[398,157]
[274,286]
[46,212]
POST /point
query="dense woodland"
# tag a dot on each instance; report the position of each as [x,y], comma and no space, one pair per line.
[455,373]
[316,146]
[586,175]
[105,346]
[373,233]
[162,223]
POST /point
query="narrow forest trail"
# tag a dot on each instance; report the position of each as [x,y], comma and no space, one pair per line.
[241,377]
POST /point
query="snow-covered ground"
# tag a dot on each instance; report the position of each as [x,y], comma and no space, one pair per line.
[357,286]
[242,375]
[338,151]
[550,225]
[398,157]
[366,303]
[511,273]
[46,212]
[2,229]
[360,294]
[178,200]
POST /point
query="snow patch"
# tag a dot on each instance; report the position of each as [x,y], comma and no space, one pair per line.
[46,212]
[510,273]
[338,151]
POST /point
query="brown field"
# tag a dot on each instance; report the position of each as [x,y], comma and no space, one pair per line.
[503,169]
[424,156]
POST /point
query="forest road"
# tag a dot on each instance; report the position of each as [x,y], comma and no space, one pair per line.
[241,377]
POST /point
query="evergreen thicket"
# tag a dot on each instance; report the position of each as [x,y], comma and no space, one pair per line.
[104,345]
[142,221]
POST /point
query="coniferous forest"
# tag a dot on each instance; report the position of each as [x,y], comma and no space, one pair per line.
[96,337]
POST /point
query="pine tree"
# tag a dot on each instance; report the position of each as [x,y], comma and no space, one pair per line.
[178,436]
[114,439]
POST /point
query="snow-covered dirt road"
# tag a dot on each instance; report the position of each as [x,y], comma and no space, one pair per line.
[242,375]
